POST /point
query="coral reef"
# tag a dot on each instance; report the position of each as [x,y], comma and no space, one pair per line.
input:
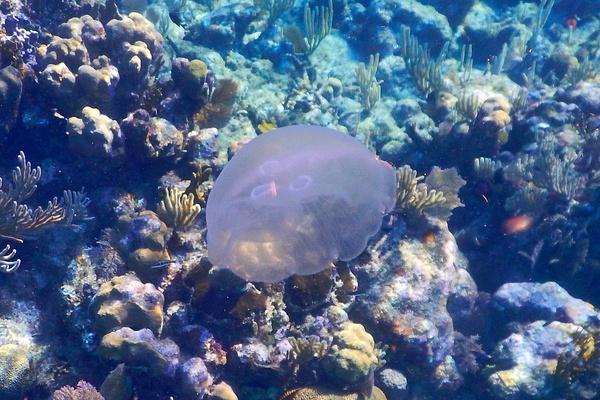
[478,119]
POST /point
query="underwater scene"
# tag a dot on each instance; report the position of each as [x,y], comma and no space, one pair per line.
[299,200]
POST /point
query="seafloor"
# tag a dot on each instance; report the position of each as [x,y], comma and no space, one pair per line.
[116,120]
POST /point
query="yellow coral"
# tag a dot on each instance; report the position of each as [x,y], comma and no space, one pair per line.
[265,126]
[352,355]
[178,208]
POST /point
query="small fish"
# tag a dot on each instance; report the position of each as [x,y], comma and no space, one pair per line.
[59,115]
[163,264]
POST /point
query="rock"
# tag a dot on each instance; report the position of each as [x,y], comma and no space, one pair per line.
[406,284]
[526,360]
[530,301]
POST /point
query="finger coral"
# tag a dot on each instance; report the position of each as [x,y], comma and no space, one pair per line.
[178,208]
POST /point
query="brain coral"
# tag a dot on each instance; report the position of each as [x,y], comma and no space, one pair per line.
[352,355]
[293,200]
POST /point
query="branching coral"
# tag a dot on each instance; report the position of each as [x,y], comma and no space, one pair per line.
[275,8]
[426,72]
[200,184]
[75,204]
[557,172]
[19,222]
[414,198]
[178,208]
[318,24]
[579,365]
[554,187]
[7,264]
[370,88]
[437,196]
[486,168]
[83,391]
[305,350]
[542,17]
[530,200]
[468,105]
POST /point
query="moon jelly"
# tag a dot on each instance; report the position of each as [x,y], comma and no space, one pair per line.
[293,200]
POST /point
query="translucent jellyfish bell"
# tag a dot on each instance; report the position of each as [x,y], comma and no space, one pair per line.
[294,199]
